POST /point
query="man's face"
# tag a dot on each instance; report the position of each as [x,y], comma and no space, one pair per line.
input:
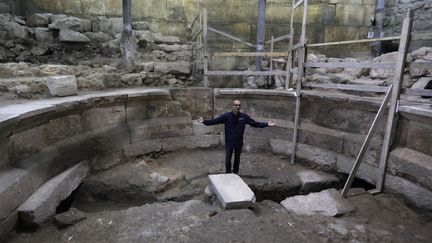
[236,106]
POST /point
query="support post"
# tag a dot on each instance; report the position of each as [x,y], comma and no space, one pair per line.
[288,77]
[127,44]
[366,143]
[301,63]
[260,32]
[271,58]
[399,70]
[205,48]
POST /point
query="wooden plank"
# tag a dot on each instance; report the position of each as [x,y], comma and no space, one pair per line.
[229,36]
[289,75]
[280,38]
[400,66]
[301,61]
[380,65]
[353,87]
[245,73]
[205,49]
[296,46]
[417,92]
[421,36]
[390,38]
[250,54]
[366,143]
[271,58]
[297,4]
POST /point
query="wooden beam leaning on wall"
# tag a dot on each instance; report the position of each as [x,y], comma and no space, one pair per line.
[394,100]
[300,77]
[379,116]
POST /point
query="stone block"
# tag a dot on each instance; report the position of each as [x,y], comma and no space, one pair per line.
[4,8]
[201,129]
[16,30]
[62,85]
[107,159]
[66,35]
[38,20]
[141,148]
[69,218]
[196,101]
[42,204]
[413,165]
[7,225]
[189,142]
[231,191]
[314,181]
[328,203]
[160,128]
[140,25]
[72,23]
[98,37]
[131,79]
[321,157]
[104,115]
[9,189]
[180,67]
[414,193]
[43,35]
[354,15]
[4,147]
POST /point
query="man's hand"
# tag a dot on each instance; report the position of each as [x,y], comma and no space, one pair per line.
[270,123]
[200,119]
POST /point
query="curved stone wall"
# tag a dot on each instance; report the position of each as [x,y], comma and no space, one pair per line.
[42,138]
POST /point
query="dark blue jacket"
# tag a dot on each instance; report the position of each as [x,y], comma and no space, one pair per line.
[234,126]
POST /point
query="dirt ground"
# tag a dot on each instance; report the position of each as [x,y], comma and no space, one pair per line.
[161,198]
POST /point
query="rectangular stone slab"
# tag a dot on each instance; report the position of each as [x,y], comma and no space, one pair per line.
[231,191]
[42,204]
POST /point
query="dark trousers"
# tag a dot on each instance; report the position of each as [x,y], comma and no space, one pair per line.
[228,154]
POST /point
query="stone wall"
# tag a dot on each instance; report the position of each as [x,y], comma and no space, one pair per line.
[39,139]
[396,10]
[328,20]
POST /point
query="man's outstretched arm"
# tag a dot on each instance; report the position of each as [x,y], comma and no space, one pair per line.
[254,123]
[218,120]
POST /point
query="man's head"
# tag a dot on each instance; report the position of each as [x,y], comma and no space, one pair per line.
[236,106]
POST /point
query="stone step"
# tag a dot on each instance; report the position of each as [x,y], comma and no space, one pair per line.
[42,204]
[406,162]
[317,136]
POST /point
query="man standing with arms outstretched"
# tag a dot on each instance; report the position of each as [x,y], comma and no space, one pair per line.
[235,122]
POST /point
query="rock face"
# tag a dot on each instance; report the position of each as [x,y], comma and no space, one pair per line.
[327,203]
[231,191]
[62,85]
[43,203]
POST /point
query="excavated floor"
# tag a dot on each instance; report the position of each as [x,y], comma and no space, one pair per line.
[161,198]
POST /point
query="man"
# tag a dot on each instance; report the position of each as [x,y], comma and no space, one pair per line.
[235,122]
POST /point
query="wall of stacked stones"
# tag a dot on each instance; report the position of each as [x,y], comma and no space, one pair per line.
[43,138]
[396,10]
[328,20]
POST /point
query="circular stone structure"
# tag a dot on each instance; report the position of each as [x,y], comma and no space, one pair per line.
[41,139]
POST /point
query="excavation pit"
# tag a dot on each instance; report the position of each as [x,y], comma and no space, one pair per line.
[149,161]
